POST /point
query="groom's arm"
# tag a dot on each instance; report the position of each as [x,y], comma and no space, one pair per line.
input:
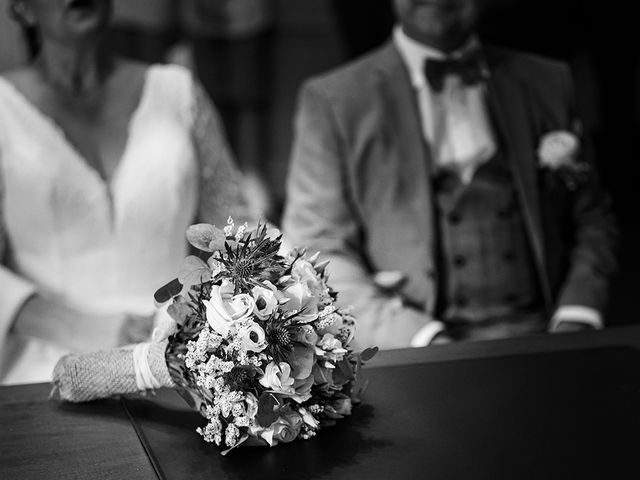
[593,261]
[321,215]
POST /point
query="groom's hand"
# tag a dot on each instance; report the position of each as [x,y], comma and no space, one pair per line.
[135,329]
[441,338]
[568,326]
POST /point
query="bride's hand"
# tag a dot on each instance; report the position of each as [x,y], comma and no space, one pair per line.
[135,329]
[66,326]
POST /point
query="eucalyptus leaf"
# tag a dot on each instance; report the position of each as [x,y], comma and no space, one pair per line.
[358,390]
[168,291]
[217,243]
[205,237]
[194,271]
[268,409]
[187,397]
[321,375]
[301,360]
[368,353]
[344,372]
[179,312]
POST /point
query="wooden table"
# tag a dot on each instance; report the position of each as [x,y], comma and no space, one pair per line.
[565,406]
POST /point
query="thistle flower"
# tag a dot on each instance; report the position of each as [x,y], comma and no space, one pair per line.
[254,259]
[280,333]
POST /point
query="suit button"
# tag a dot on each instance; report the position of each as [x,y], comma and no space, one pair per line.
[508,256]
[454,218]
[511,298]
[504,212]
[459,261]
[461,301]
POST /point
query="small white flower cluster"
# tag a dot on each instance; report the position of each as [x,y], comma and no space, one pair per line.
[197,351]
[238,408]
[228,230]
[211,432]
[307,432]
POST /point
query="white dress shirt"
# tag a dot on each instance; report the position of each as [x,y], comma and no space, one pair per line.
[455,122]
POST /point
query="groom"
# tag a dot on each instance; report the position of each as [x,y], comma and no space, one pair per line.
[448,183]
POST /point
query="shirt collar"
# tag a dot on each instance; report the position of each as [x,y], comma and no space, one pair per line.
[415,53]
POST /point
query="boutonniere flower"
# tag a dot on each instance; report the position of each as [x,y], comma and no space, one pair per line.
[558,149]
[558,152]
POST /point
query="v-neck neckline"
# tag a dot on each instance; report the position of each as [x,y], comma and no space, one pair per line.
[59,132]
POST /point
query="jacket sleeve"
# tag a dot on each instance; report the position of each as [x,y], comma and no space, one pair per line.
[14,289]
[320,214]
[593,259]
[593,256]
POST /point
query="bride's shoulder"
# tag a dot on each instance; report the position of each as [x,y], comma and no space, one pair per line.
[130,71]
[26,71]
[173,81]
[164,80]
[170,71]
[22,78]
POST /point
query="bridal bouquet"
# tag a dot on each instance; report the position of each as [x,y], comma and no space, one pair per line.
[257,344]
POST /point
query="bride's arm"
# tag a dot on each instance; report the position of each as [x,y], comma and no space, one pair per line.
[14,289]
[25,312]
[223,189]
[65,326]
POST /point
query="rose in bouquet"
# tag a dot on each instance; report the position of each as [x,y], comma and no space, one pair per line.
[257,344]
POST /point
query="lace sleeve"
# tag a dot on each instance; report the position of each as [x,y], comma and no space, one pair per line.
[3,233]
[222,186]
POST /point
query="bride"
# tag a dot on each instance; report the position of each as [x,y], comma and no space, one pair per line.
[104,163]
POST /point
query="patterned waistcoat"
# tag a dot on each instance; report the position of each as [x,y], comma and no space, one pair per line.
[486,266]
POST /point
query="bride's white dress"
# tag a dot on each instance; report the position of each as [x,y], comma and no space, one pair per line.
[103,248]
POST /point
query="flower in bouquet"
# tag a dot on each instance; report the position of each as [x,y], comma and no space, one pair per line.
[260,347]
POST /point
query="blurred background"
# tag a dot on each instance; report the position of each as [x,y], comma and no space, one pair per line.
[253,62]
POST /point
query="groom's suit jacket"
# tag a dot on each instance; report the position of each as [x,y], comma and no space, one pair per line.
[359,188]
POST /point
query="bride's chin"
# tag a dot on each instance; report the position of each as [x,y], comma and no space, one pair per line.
[87,15]
[86,5]
[84,26]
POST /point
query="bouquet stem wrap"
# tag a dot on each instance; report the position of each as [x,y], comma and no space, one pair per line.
[129,369]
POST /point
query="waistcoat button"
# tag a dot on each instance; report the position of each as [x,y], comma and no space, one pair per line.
[454,218]
[462,301]
[459,261]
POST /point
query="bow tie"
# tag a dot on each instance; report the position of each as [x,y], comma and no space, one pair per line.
[469,68]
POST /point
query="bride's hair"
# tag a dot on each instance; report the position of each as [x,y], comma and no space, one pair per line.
[31,33]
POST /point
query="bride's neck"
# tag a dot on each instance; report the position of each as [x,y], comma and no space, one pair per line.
[75,71]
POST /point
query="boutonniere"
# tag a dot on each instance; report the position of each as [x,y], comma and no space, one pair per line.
[558,152]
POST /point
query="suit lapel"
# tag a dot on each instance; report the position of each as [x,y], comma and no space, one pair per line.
[508,106]
[414,156]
